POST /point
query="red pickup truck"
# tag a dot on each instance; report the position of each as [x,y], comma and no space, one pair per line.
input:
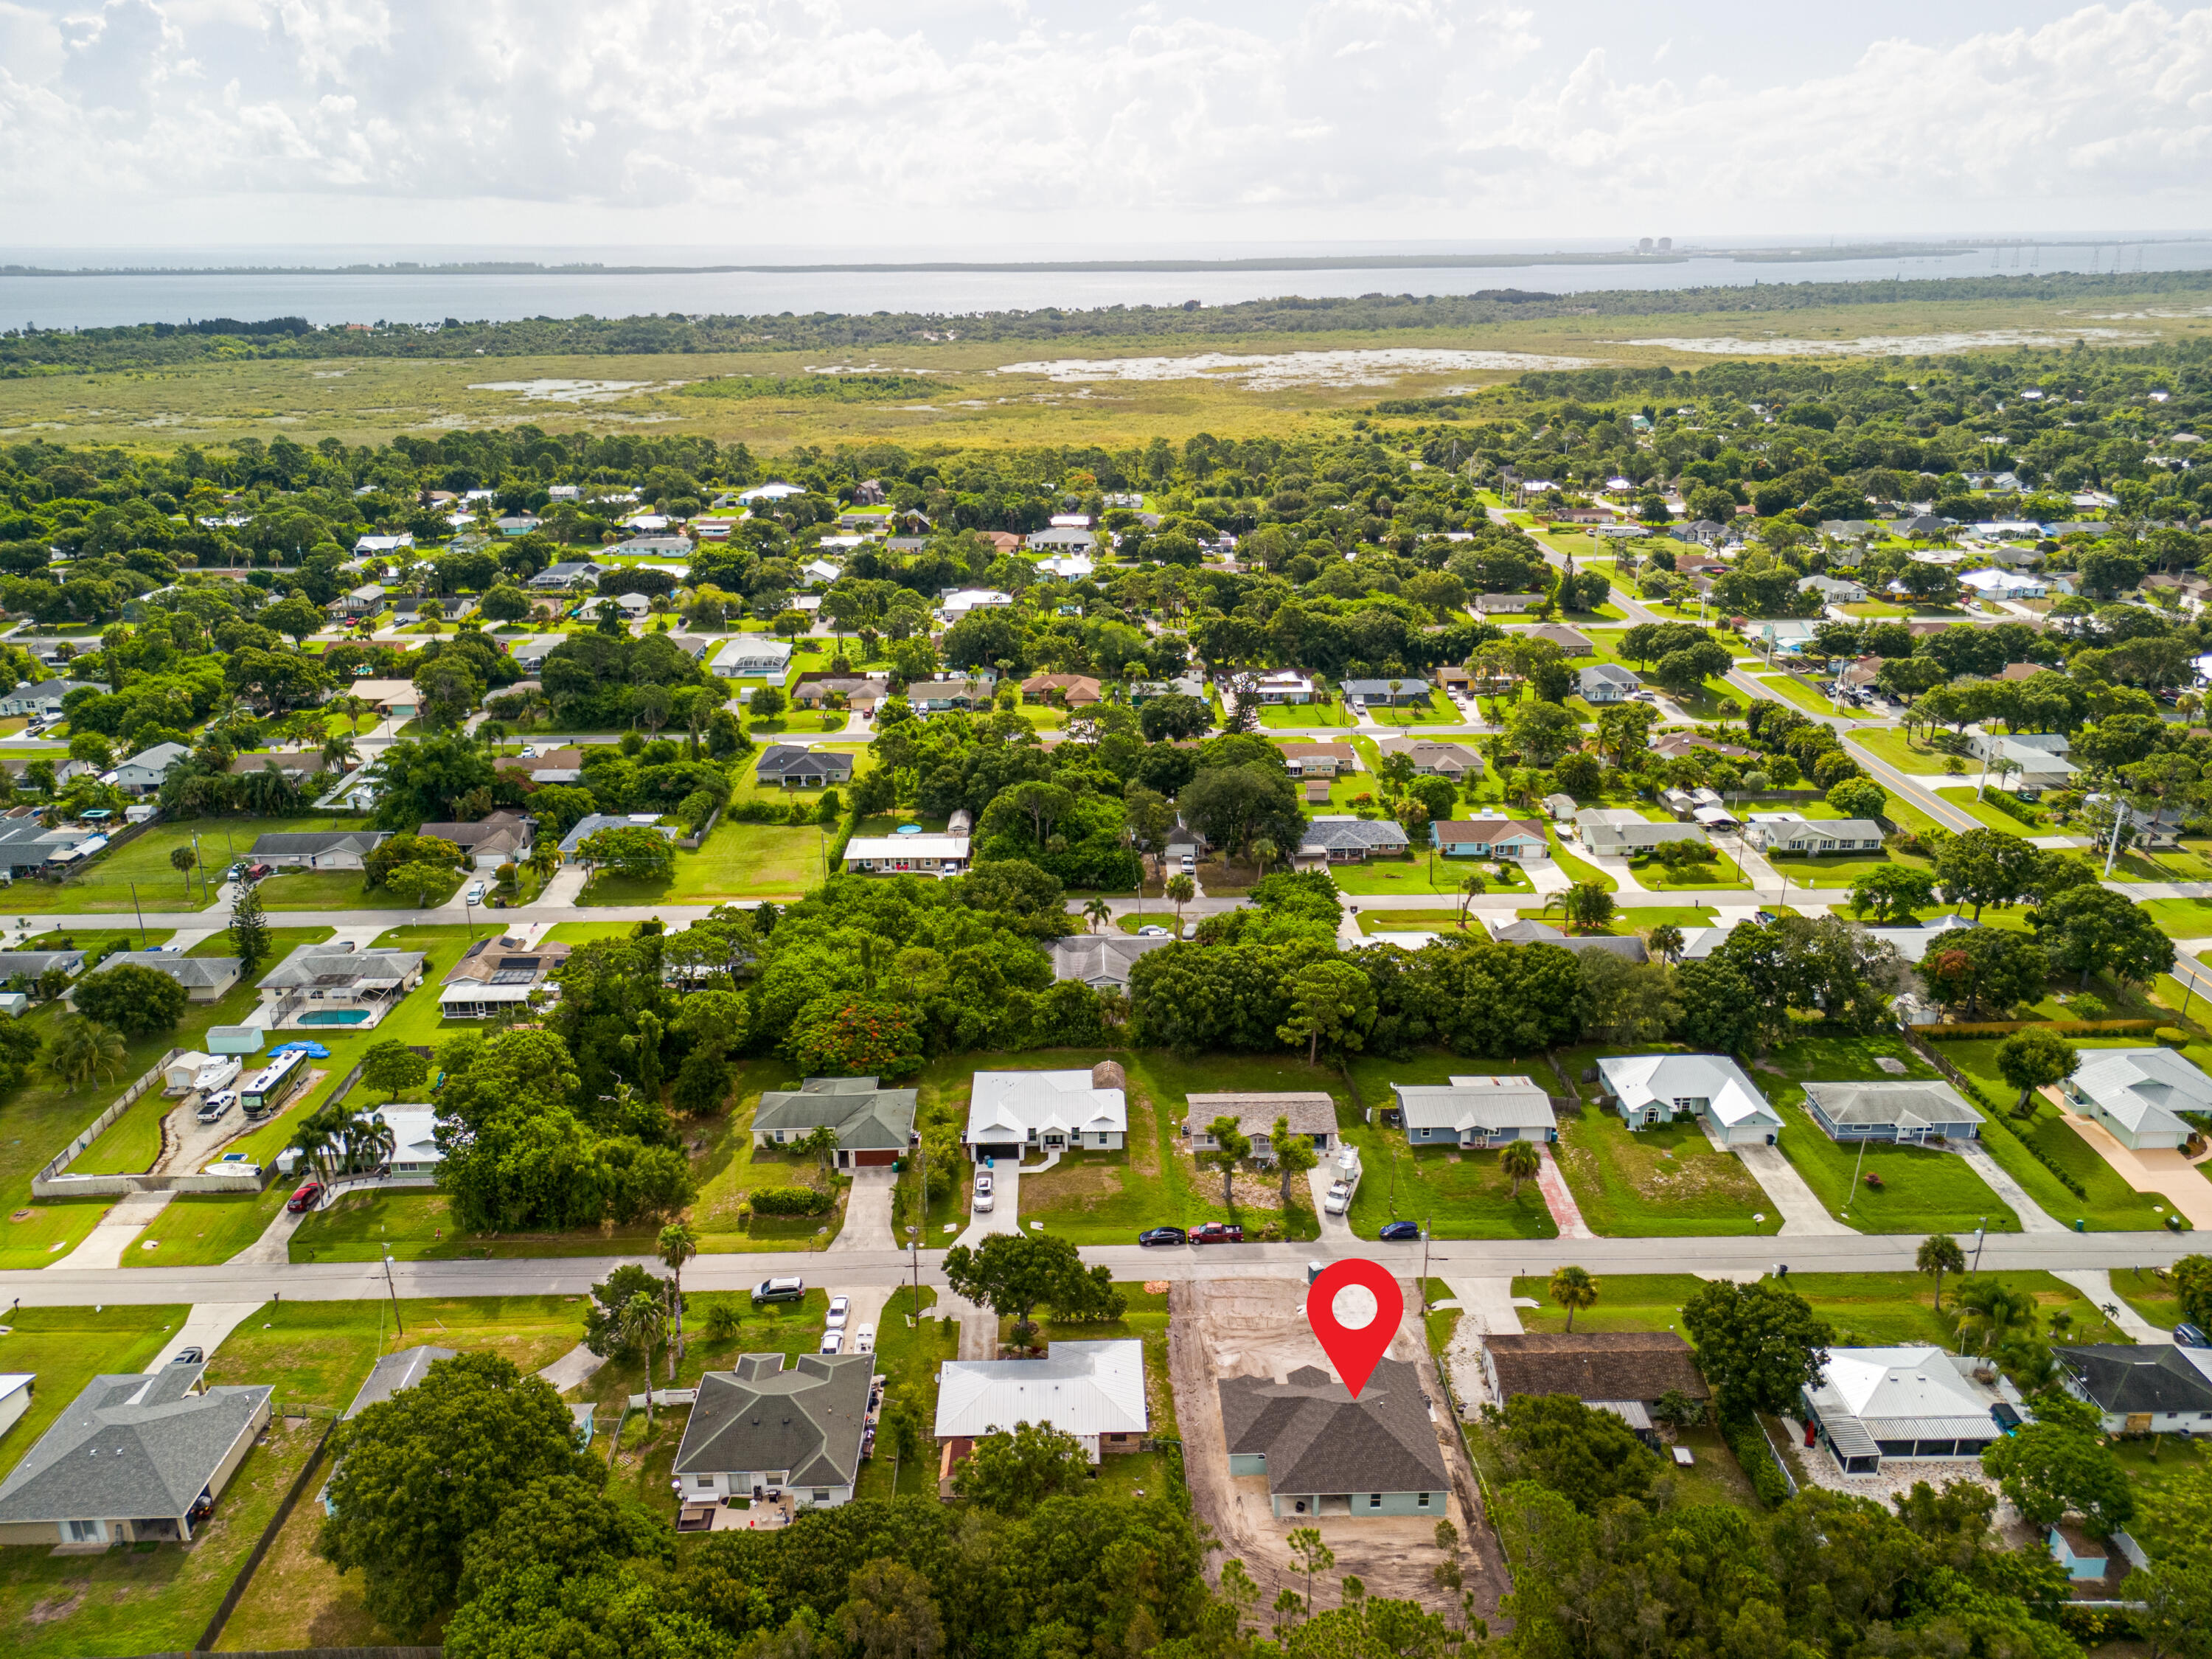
[1217,1232]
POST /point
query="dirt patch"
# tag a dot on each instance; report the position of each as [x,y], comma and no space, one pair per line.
[58,1606]
[1253,1189]
[1077,1181]
[1257,1328]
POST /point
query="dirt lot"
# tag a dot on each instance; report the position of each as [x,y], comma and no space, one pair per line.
[1257,1328]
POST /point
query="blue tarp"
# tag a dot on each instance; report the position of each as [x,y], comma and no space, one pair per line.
[313,1050]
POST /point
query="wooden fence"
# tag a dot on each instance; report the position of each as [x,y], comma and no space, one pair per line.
[262,1546]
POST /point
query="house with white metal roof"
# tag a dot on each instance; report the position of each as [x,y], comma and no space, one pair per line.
[921,854]
[2138,1095]
[1648,1090]
[1009,1112]
[1476,1111]
[1092,1390]
[1913,1402]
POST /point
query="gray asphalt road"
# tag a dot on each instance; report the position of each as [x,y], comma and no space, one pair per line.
[330,1281]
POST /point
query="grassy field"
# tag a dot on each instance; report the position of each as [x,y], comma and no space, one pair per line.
[1890,743]
[65,1348]
[1791,688]
[1922,1190]
[1295,716]
[1718,872]
[1830,873]
[909,1352]
[2111,1204]
[362,399]
[1458,1194]
[738,861]
[320,1353]
[150,1598]
[1967,799]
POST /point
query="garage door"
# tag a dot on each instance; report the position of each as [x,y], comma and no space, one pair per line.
[1004,1149]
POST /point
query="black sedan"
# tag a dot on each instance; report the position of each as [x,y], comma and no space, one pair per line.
[1395,1231]
[1163,1235]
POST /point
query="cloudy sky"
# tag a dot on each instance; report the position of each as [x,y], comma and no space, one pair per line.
[897,124]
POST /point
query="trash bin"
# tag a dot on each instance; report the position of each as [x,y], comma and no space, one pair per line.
[2080,1225]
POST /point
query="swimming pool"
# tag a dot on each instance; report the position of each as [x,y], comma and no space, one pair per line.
[335,1016]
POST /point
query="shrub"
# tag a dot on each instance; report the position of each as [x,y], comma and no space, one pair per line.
[791,1200]
[2170,1036]
[1749,1443]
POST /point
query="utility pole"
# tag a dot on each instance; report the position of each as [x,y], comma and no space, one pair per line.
[1981,1233]
[140,914]
[2119,819]
[400,1330]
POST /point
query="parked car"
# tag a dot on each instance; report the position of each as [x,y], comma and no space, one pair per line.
[216,1104]
[1217,1232]
[1149,931]
[779,1290]
[1339,1199]
[832,1342]
[1190,865]
[841,1310]
[305,1197]
[190,1354]
[475,895]
[2189,1336]
[864,1339]
[1152,1236]
[983,1192]
[1396,1231]
[256,871]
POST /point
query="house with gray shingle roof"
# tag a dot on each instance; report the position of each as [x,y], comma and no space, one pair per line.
[323,849]
[874,1124]
[1350,840]
[1325,1453]
[1908,1111]
[1102,960]
[204,978]
[1312,1115]
[133,1459]
[760,1428]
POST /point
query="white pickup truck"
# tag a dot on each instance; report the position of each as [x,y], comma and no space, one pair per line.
[1339,1198]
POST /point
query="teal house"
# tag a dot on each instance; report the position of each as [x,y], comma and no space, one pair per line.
[1323,1452]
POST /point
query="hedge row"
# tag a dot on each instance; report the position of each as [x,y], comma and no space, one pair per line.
[1756,1458]
[1982,1099]
[1998,1028]
[791,1200]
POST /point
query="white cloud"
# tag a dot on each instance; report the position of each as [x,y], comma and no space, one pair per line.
[857,120]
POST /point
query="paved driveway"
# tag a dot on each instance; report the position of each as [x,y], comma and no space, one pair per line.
[868,1212]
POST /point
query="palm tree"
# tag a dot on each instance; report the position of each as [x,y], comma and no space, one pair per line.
[1095,914]
[181,860]
[1265,851]
[1520,1161]
[1998,1309]
[643,1321]
[1573,1289]
[677,1246]
[820,1143]
[337,748]
[1471,887]
[1939,1255]
[371,1144]
[1666,942]
[82,1048]
[1181,889]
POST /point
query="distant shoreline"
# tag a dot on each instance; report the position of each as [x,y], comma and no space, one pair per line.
[1262,262]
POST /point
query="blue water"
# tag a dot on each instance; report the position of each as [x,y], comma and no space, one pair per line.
[335,1016]
[107,301]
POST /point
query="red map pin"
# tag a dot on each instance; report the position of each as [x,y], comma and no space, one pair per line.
[1354,1350]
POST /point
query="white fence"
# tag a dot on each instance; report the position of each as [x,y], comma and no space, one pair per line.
[54,1182]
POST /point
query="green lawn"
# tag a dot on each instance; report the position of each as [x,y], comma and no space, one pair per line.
[1420,873]
[416,1226]
[1922,1190]
[1865,1309]
[2182,917]
[1718,872]
[283,941]
[1791,688]
[909,1352]
[1640,919]
[202,1229]
[320,1353]
[1459,1194]
[1967,799]
[1291,716]
[738,861]
[150,1598]
[1435,710]
[2151,1293]
[2111,1204]
[339,890]
[106,884]
[1890,743]
[1838,873]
